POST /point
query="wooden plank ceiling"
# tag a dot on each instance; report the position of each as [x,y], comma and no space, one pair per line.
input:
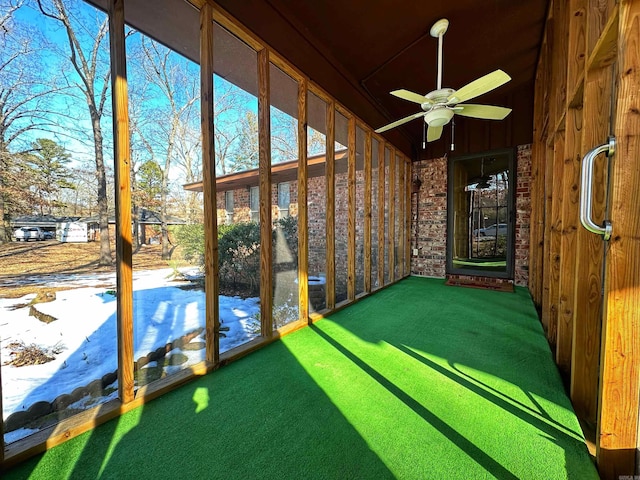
[360,50]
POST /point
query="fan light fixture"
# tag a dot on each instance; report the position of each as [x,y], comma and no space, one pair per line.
[438,117]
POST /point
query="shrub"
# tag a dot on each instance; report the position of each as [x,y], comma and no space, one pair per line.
[191,238]
[239,250]
[239,255]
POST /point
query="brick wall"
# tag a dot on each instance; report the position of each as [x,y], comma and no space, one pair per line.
[316,201]
[317,225]
[241,211]
[241,208]
[341,234]
[523,214]
[432,217]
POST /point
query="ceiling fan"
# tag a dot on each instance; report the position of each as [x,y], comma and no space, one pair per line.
[439,106]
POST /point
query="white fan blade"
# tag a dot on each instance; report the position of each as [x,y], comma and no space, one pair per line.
[488,112]
[480,86]
[411,96]
[400,122]
[433,133]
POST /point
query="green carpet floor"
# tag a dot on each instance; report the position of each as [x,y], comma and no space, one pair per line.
[420,381]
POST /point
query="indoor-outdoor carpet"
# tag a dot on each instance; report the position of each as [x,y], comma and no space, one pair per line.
[419,381]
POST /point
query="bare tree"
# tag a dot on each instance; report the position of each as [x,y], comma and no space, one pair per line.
[188,158]
[284,137]
[79,200]
[23,109]
[245,153]
[8,7]
[181,92]
[140,147]
[228,130]
[316,142]
[94,84]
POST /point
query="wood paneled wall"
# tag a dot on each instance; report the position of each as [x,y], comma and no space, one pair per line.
[588,290]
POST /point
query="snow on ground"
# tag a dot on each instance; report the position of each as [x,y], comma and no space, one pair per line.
[84,333]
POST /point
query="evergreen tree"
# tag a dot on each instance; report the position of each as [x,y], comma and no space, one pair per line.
[49,173]
[149,183]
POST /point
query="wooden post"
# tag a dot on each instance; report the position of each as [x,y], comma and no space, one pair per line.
[549,120]
[620,359]
[351,222]
[536,234]
[264,167]
[547,320]
[553,276]
[392,219]
[211,280]
[559,102]
[122,162]
[557,110]
[407,217]
[381,229]
[367,211]
[570,188]
[401,223]
[331,206]
[303,226]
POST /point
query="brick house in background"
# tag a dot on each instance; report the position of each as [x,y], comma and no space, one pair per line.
[238,196]
[237,200]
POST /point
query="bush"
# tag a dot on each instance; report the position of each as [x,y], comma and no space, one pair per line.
[239,250]
[239,255]
[191,238]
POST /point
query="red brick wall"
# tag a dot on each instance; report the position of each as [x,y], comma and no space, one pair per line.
[316,210]
[317,225]
[341,233]
[523,214]
[241,211]
[241,206]
[432,217]
[316,201]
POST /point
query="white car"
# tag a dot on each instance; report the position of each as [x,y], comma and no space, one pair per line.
[492,230]
[28,233]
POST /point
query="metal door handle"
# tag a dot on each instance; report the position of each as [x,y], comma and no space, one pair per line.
[586,189]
